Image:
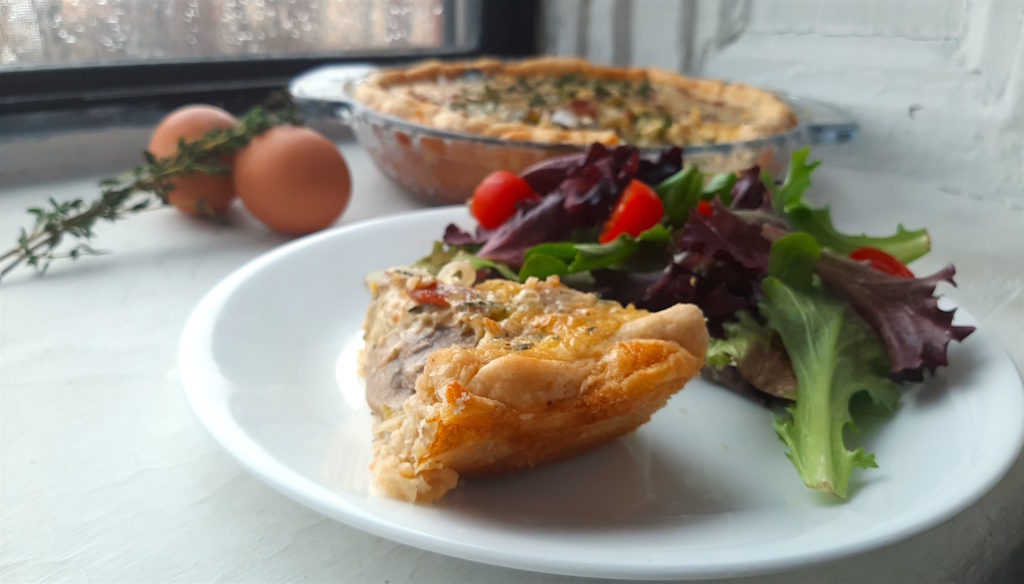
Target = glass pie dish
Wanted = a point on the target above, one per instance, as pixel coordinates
(443, 167)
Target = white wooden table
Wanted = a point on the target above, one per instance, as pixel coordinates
(107, 476)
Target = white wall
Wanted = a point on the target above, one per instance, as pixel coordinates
(935, 84)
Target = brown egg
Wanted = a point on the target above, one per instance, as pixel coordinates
(199, 193)
(293, 180)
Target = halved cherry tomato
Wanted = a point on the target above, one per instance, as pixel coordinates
(495, 198)
(704, 208)
(881, 261)
(639, 209)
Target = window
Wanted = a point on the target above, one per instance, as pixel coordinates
(61, 53)
(80, 32)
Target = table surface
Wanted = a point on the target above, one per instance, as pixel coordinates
(108, 476)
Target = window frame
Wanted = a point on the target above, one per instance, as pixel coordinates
(507, 29)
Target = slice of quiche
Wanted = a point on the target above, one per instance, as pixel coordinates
(473, 380)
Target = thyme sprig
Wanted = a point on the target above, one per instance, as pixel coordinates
(147, 186)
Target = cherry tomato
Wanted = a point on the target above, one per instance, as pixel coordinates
(639, 209)
(704, 208)
(881, 261)
(494, 200)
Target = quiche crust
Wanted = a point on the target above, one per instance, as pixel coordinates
(413, 94)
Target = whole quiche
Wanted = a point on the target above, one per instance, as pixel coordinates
(571, 101)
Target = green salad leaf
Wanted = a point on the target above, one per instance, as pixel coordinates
(682, 191)
(719, 187)
(835, 356)
(541, 264)
(793, 258)
(741, 335)
(566, 257)
(756, 353)
(679, 194)
(905, 245)
(790, 194)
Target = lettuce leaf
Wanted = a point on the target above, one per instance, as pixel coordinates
(719, 186)
(903, 312)
(679, 194)
(740, 335)
(790, 194)
(835, 357)
(718, 262)
(682, 191)
(545, 221)
(750, 191)
(649, 166)
(566, 257)
(756, 353)
(905, 245)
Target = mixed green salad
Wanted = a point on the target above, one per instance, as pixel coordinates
(805, 315)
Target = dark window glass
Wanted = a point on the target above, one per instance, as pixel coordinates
(65, 33)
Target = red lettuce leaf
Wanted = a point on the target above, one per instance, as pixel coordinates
(545, 221)
(456, 237)
(904, 313)
(728, 236)
(625, 287)
(718, 263)
(750, 192)
(657, 165)
(589, 196)
(652, 166)
(720, 260)
(721, 287)
(545, 176)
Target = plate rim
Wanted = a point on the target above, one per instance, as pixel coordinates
(275, 473)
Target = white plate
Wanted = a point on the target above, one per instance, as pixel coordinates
(268, 362)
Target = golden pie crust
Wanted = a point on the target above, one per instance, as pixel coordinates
(555, 100)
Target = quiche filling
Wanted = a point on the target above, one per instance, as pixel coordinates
(639, 113)
(472, 380)
(572, 101)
